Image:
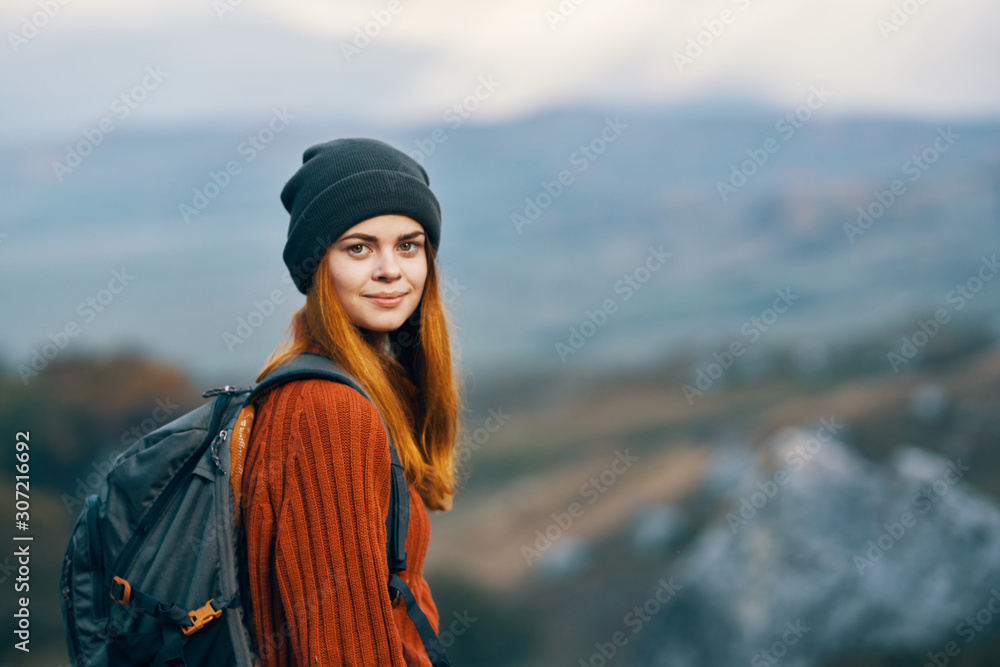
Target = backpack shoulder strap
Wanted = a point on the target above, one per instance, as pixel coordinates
(310, 365)
(304, 366)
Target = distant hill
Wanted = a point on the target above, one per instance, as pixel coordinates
(558, 432)
(517, 289)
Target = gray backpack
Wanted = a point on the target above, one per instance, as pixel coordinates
(155, 570)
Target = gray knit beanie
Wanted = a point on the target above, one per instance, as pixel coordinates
(344, 182)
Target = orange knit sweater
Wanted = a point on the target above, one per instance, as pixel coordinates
(315, 494)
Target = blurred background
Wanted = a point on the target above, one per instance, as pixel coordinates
(721, 275)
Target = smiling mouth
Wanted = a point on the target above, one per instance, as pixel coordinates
(385, 300)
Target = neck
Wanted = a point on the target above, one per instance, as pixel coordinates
(379, 339)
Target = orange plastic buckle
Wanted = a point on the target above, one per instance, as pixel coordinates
(199, 617)
(128, 590)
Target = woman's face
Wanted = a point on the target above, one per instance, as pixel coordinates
(379, 267)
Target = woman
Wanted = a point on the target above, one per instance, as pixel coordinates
(361, 246)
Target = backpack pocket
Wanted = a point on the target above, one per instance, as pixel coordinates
(83, 597)
(101, 599)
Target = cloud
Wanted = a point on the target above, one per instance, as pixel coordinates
(418, 58)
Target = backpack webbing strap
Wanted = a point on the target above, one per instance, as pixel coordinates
(427, 635)
(123, 593)
(171, 653)
(176, 632)
(397, 520)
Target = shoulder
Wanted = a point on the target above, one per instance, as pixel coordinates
(328, 412)
(318, 397)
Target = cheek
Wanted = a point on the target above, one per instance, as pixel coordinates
(347, 278)
(416, 274)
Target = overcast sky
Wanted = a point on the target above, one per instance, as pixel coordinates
(235, 59)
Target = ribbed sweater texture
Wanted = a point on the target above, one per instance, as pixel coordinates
(314, 502)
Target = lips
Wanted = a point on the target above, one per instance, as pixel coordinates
(388, 299)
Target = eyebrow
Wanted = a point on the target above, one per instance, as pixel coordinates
(372, 239)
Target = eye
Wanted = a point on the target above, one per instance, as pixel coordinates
(350, 249)
(413, 246)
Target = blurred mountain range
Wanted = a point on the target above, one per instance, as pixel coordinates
(540, 272)
(581, 501)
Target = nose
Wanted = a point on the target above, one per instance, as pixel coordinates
(386, 268)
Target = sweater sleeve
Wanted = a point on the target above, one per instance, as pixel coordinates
(329, 549)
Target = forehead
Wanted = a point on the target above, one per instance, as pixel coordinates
(387, 227)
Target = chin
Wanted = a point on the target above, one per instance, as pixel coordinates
(383, 324)
(379, 320)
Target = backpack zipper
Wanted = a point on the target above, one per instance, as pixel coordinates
(97, 555)
(70, 605)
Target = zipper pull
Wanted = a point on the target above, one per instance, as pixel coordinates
(228, 389)
(223, 434)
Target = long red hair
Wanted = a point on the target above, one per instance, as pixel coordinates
(425, 434)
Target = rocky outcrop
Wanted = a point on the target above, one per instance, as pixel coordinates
(816, 553)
